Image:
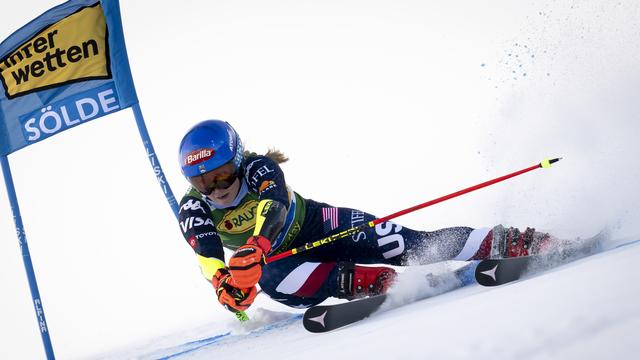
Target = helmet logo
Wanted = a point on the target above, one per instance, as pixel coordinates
(198, 156)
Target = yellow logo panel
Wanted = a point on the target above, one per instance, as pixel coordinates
(239, 220)
(73, 49)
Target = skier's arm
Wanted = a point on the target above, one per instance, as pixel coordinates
(199, 231)
(265, 178)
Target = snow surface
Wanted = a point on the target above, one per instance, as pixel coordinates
(397, 102)
(584, 310)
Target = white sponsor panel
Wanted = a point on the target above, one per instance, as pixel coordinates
(60, 116)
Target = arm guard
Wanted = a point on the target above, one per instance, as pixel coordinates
(266, 179)
(209, 266)
(270, 218)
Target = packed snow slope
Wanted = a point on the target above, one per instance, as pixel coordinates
(381, 105)
(584, 310)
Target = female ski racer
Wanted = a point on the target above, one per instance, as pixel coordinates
(241, 201)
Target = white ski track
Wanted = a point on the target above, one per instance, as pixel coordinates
(286, 338)
(265, 321)
(446, 281)
(225, 339)
(262, 321)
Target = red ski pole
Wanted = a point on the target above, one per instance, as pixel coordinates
(312, 245)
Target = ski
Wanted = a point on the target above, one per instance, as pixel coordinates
(323, 318)
(495, 272)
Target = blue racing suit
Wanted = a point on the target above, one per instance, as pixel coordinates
(308, 278)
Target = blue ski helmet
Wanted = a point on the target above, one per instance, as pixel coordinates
(209, 145)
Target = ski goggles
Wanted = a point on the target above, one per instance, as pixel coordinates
(221, 178)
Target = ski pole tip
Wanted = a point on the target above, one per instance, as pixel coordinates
(546, 163)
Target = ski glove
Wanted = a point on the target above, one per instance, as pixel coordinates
(246, 263)
(232, 297)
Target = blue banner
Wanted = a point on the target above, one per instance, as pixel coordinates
(62, 69)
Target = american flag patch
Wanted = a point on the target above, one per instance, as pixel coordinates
(329, 219)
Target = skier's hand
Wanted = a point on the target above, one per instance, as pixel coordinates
(229, 294)
(246, 263)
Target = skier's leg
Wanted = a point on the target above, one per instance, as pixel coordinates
(393, 244)
(332, 270)
(397, 245)
(386, 243)
(297, 282)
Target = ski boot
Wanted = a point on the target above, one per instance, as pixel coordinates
(512, 243)
(355, 281)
